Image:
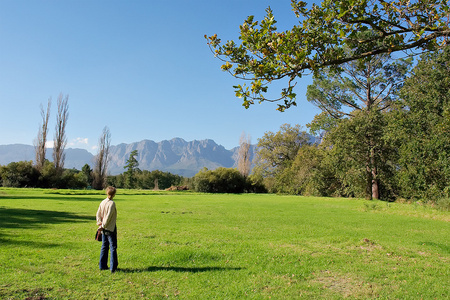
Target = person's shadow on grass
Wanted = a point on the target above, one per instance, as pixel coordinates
(177, 269)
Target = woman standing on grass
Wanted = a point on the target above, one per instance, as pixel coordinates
(106, 220)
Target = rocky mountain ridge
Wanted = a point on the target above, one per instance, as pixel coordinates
(176, 156)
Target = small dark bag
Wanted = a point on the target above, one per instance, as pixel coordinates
(98, 235)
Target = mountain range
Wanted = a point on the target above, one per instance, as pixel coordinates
(176, 156)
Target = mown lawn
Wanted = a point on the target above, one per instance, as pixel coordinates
(202, 246)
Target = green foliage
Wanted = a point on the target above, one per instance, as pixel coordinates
(421, 129)
(322, 38)
(403, 152)
(361, 89)
(87, 174)
(225, 180)
(357, 147)
(339, 166)
(275, 154)
(321, 124)
(146, 180)
(220, 180)
(19, 174)
(47, 176)
(255, 184)
(132, 163)
(405, 149)
(131, 167)
(25, 174)
(73, 179)
(312, 173)
(50, 177)
(360, 85)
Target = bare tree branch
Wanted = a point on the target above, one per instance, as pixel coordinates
(42, 136)
(101, 160)
(244, 161)
(60, 140)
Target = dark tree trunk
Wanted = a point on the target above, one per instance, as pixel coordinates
(375, 187)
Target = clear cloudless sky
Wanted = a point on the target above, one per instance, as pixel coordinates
(142, 68)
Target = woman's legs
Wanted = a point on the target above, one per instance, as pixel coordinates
(113, 248)
(103, 264)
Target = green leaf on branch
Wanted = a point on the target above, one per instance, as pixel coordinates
(324, 33)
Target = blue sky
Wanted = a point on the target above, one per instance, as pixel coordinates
(142, 68)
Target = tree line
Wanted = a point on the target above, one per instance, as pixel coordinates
(26, 174)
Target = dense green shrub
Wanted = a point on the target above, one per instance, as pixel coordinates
(19, 174)
(25, 174)
(225, 180)
(221, 180)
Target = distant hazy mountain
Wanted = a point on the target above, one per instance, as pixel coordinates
(75, 158)
(175, 156)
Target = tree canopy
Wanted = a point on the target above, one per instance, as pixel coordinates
(276, 152)
(363, 85)
(321, 39)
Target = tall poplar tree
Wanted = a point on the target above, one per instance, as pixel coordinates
(101, 160)
(41, 139)
(244, 159)
(60, 140)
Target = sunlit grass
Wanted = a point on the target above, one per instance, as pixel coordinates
(202, 246)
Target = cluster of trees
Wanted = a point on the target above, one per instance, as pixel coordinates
(385, 130)
(44, 173)
(27, 174)
(147, 180)
(394, 142)
(53, 174)
(134, 178)
(225, 180)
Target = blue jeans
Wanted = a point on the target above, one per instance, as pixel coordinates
(109, 242)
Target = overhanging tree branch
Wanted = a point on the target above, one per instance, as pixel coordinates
(318, 41)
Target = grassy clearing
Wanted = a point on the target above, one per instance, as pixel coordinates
(201, 246)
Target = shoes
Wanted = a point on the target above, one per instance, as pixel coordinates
(112, 271)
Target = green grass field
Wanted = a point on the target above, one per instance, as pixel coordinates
(202, 246)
